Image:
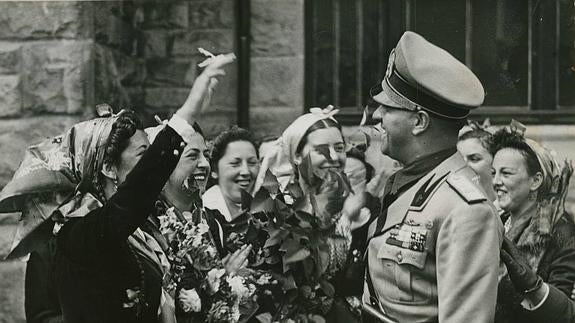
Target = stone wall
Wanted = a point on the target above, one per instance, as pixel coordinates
(277, 65)
(59, 59)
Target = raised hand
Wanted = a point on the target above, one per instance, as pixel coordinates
(201, 92)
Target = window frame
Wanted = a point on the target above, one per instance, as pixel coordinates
(543, 63)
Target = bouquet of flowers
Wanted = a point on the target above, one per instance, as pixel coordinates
(310, 248)
(204, 288)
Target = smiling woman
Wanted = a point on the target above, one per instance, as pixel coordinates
(531, 187)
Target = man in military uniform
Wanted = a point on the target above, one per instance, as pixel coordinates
(433, 252)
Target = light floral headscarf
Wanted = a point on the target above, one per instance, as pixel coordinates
(280, 158)
(57, 174)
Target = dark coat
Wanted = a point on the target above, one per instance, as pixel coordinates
(40, 298)
(557, 269)
(95, 265)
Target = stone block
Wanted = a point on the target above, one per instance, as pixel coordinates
(131, 70)
(168, 71)
(46, 19)
(178, 15)
(186, 43)
(277, 28)
(111, 30)
(10, 56)
(211, 14)
(136, 95)
(10, 96)
(156, 43)
(112, 71)
(17, 134)
(272, 121)
(155, 14)
(57, 76)
(277, 82)
(165, 97)
(217, 119)
(12, 285)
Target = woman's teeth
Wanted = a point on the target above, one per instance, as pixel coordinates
(244, 182)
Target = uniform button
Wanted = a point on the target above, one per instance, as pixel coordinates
(176, 152)
(399, 257)
(182, 144)
(355, 252)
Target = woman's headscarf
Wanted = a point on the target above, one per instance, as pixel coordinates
(57, 175)
(280, 158)
(551, 196)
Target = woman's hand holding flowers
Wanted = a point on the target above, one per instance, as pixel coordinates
(237, 260)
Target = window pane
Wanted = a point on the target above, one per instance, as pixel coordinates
(348, 24)
(566, 53)
(324, 46)
(500, 50)
(442, 22)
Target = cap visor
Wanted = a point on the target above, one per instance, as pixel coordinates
(378, 94)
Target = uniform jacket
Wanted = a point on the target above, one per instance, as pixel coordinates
(95, 265)
(557, 269)
(437, 256)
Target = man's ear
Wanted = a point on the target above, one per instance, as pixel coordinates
(421, 122)
(109, 171)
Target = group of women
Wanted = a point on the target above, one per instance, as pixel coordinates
(529, 187)
(97, 197)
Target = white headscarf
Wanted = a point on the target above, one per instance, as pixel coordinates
(280, 158)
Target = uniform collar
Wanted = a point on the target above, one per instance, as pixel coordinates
(418, 169)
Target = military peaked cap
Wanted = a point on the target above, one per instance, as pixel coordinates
(421, 75)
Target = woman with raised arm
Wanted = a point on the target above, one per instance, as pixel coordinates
(107, 269)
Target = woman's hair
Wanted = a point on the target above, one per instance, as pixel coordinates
(511, 139)
(221, 142)
(482, 135)
(122, 130)
(320, 124)
(359, 155)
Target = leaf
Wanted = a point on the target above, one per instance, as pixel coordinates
(364, 117)
(271, 183)
(327, 288)
(276, 237)
(296, 256)
(317, 319)
(262, 202)
(294, 190)
(246, 200)
(307, 173)
(324, 150)
(264, 318)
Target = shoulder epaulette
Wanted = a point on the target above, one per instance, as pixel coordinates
(466, 188)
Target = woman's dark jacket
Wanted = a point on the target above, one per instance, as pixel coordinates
(40, 298)
(557, 269)
(95, 265)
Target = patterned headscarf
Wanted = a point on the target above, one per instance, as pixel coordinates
(58, 174)
(534, 236)
(280, 158)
